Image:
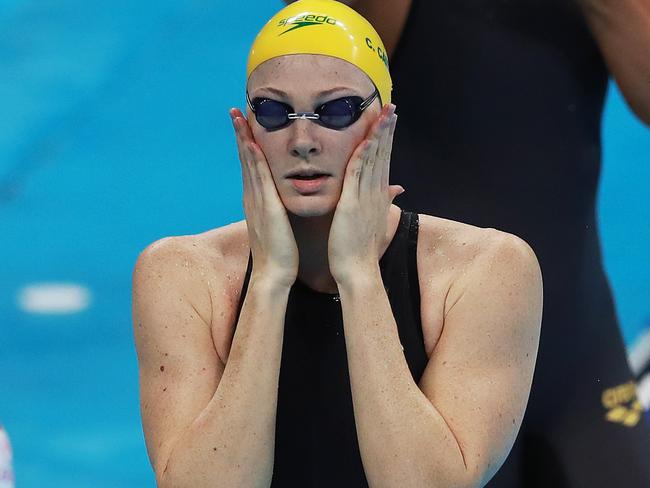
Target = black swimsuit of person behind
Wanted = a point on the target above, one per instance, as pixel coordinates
(505, 133)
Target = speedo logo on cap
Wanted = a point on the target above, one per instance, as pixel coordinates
(305, 21)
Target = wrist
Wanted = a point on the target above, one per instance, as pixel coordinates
(271, 282)
(360, 276)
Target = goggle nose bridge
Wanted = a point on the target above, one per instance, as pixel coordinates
(303, 116)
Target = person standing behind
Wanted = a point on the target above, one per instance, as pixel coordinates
(500, 104)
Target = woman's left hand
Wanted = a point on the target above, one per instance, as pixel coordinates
(358, 228)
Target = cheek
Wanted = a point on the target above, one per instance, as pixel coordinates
(353, 142)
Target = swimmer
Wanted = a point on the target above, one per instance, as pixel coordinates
(331, 338)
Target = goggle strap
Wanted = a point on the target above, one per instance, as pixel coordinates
(368, 101)
(250, 104)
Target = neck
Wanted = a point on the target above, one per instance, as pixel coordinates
(312, 235)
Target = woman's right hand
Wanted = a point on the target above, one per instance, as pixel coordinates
(271, 239)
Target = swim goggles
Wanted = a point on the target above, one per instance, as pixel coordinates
(335, 114)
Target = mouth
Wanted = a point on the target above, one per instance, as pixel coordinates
(307, 174)
(307, 177)
(309, 184)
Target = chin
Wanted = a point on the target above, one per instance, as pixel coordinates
(310, 206)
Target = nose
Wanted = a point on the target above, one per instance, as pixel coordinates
(303, 143)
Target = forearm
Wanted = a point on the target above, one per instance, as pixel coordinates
(403, 439)
(232, 442)
(622, 30)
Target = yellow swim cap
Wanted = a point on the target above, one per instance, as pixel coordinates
(324, 27)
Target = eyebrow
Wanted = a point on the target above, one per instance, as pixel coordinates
(318, 95)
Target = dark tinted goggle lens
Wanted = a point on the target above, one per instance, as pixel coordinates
(336, 114)
(271, 114)
(340, 113)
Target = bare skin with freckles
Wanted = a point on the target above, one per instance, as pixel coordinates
(209, 390)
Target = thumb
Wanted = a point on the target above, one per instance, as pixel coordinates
(395, 191)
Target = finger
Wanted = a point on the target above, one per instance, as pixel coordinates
(243, 157)
(268, 190)
(239, 137)
(383, 153)
(244, 131)
(259, 186)
(256, 175)
(385, 175)
(235, 112)
(350, 191)
(249, 196)
(248, 155)
(254, 189)
(236, 115)
(367, 180)
(247, 132)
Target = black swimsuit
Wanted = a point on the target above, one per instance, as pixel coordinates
(316, 440)
(500, 107)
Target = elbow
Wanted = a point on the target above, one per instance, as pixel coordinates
(478, 474)
(643, 115)
(640, 108)
(167, 480)
(472, 472)
(462, 474)
(163, 478)
(472, 478)
(638, 101)
(166, 477)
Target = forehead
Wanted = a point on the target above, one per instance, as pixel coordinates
(308, 73)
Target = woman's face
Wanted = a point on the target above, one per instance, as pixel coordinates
(304, 144)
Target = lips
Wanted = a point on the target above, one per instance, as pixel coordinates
(307, 174)
(308, 177)
(309, 185)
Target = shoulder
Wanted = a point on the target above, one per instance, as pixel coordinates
(174, 256)
(198, 265)
(458, 241)
(214, 246)
(471, 255)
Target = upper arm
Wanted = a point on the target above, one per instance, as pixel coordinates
(480, 372)
(179, 368)
(622, 30)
